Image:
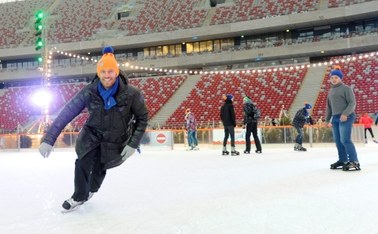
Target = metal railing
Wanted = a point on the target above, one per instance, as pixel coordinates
(314, 134)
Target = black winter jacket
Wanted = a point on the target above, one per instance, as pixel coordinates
(248, 109)
(109, 129)
(227, 114)
(300, 118)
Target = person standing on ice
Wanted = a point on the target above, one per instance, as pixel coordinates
(191, 128)
(367, 121)
(341, 104)
(250, 122)
(228, 118)
(116, 124)
(299, 121)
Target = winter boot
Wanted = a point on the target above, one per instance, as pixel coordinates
(337, 165)
(70, 204)
(355, 166)
(234, 152)
(225, 152)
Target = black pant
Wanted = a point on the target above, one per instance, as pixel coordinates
(252, 127)
(371, 132)
(229, 131)
(89, 175)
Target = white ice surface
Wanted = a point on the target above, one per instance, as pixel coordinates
(171, 192)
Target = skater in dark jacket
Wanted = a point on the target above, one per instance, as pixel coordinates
(116, 124)
(341, 104)
(227, 115)
(250, 123)
(300, 118)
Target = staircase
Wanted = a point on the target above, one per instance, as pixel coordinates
(309, 89)
(175, 101)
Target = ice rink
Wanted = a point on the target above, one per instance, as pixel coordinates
(173, 192)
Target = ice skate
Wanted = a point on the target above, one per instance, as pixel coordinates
(354, 166)
(258, 151)
(234, 152)
(225, 152)
(189, 148)
(71, 205)
(301, 148)
(337, 165)
(246, 152)
(375, 141)
(296, 147)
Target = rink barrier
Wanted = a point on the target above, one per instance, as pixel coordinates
(169, 138)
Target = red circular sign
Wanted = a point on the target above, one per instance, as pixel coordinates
(160, 138)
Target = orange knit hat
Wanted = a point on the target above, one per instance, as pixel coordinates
(107, 61)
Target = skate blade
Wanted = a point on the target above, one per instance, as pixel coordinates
(353, 169)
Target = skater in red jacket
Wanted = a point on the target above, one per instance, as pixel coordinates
(367, 121)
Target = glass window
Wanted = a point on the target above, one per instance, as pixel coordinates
(189, 48)
(178, 49)
(196, 47)
(172, 50)
(165, 50)
(153, 52)
(159, 51)
(146, 52)
(217, 45)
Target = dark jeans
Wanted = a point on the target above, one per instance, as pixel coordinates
(299, 138)
(89, 175)
(252, 128)
(342, 132)
(229, 131)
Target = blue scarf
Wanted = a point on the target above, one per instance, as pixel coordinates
(107, 94)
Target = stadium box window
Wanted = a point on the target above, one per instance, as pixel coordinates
(146, 52)
(206, 46)
(153, 52)
(159, 51)
(165, 50)
(178, 49)
(172, 50)
(140, 55)
(189, 48)
(217, 45)
(226, 44)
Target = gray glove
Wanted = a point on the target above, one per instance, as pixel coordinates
(45, 149)
(127, 152)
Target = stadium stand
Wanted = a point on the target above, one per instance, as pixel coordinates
(361, 74)
(270, 90)
(217, 42)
